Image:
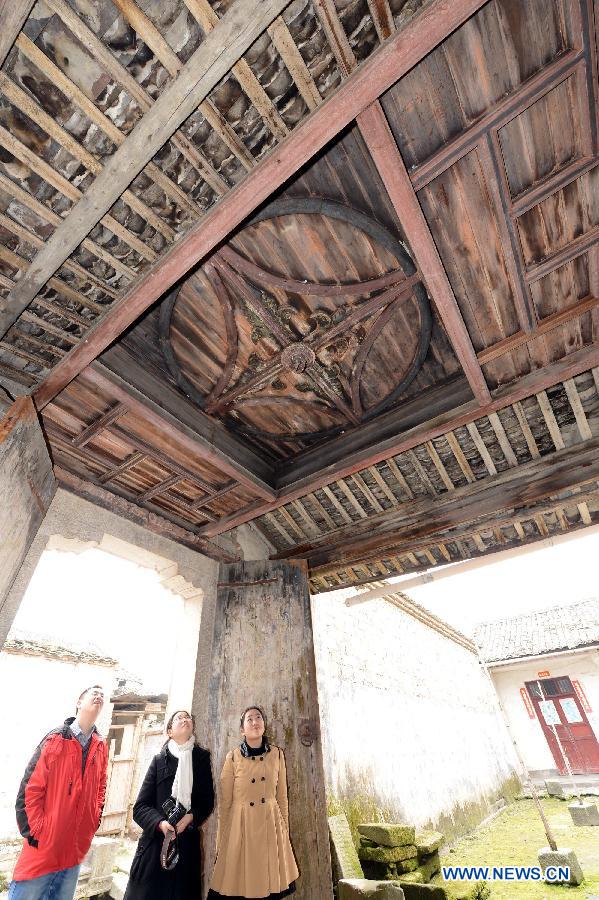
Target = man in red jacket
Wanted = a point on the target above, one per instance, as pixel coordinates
(59, 804)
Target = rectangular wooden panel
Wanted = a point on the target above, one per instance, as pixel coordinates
(256, 646)
(27, 486)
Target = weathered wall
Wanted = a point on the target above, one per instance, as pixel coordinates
(527, 732)
(411, 727)
(55, 685)
(27, 486)
(73, 517)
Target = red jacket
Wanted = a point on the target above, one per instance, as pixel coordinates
(58, 807)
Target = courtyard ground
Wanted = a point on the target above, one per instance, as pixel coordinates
(515, 837)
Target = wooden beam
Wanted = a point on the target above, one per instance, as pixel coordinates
(571, 250)
(99, 425)
(293, 59)
(382, 18)
(13, 16)
(546, 325)
(561, 68)
(192, 441)
(237, 30)
(514, 489)
(398, 55)
(152, 521)
(527, 386)
(387, 159)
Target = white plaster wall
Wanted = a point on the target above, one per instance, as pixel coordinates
(408, 716)
(47, 693)
(527, 732)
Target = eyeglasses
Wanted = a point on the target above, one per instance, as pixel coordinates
(182, 718)
(251, 720)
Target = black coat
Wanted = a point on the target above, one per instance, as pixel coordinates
(147, 879)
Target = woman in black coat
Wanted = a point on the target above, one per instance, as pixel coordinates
(182, 771)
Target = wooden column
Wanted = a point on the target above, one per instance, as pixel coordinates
(27, 486)
(256, 646)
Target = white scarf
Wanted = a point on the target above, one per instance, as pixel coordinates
(183, 782)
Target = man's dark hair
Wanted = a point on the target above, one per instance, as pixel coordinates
(83, 693)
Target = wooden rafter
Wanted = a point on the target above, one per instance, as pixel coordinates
(12, 18)
(395, 57)
(387, 158)
(241, 25)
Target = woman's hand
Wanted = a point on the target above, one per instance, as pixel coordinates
(165, 827)
(185, 821)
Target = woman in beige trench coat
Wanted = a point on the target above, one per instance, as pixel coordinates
(254, 855)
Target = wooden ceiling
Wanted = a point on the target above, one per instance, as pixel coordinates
(350, 292)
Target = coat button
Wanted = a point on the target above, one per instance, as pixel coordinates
(261, 758)
(253, 781)
(251, 802)
(263, 800)
(263, 778)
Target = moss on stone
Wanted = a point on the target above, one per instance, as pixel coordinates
(387, 854)
(428, 841)
(388, 834)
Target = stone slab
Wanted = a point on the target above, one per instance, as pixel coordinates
(388, 854)
(423, 891)
(428, 841)
(407, 865)
(559, 789)
(414, 877)
(584, 813)
(562, 857)
(388, 834)
(430, 865)
(356, 888)
(345, 856)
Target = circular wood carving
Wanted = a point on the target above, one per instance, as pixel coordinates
(310, 321)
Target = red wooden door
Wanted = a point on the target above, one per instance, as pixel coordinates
(559, 711)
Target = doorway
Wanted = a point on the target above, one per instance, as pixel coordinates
(564, 722)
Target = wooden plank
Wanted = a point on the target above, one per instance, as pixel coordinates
(382, 18)
(57, 77)
(400, 478)
(27, 487)
(329, 522)
(207, 445)
(531, 482)
(72, 193)
(550, 420)
(132, 460)
(502, 437)
(585, 514)
(572, 250)
(47, 215)
(579, 413)
(236, 31)
(122, 77)
(13, 16)
(398, 55)
(22, 101)
(151, 520)
(387, 158)
(99, 425)
(528, 435)
(293, 59)
(460, 456)
(160, 488)
(335, 35)
(163, 52)
(338, 506)
(383, 485)
(357, 478)
(352, 498)
(421, 472)
(481, 447)
(490, 160)
(545, 326)
(208, 19)
(272, 520)
(439, 466)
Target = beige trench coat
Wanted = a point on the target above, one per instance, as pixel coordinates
(254, 855)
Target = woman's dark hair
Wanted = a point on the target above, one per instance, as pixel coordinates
(246, 711)
(169, 724)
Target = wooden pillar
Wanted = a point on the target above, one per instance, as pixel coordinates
(27, 486)
(256, 646)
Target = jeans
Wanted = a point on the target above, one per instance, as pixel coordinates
(55, 886)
